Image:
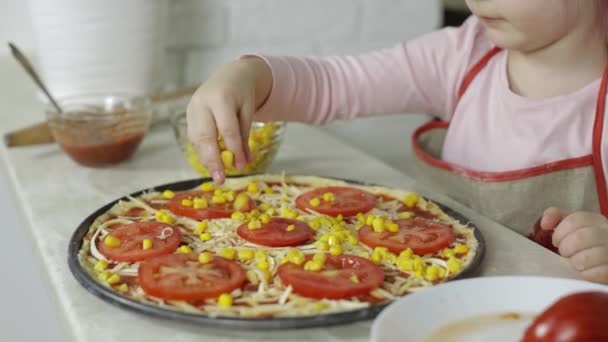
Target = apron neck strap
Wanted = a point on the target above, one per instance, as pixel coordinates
(475, 70)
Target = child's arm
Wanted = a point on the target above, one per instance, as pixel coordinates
(418, 76)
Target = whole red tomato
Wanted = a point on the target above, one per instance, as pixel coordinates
(580, 317)
(543, 237)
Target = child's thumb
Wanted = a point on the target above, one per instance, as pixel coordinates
(551, 218)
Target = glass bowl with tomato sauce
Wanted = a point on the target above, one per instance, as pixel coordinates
(100, 130)
(264, 142)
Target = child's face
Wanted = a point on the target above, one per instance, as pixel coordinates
(528, 25)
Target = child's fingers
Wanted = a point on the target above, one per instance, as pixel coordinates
(245, 118)
(551, 218)
(597, 274)
(590, 258)
(229, 127)
(574, 222)
(202, 132)
(579, 240)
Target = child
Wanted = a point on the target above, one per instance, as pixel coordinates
(519, 90)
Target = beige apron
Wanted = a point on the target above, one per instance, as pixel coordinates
(515, 198)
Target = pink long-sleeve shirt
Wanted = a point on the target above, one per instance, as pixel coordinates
(493, 130)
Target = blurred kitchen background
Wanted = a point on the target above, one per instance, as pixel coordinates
(190, 39)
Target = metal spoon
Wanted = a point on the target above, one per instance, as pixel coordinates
(29, 68)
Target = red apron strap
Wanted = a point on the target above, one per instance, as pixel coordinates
(598, 128)
(475, 70)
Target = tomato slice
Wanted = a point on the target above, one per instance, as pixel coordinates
(213, 211)
(131, 236)
(275, 233)
(335, 281)
(347, 201)
(421, 235)
(183, 277)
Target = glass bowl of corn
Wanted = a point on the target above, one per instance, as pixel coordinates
(264, 141)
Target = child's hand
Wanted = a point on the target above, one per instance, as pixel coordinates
(226, 104)
(581, 237)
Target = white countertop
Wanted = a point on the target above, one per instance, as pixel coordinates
(56, 195)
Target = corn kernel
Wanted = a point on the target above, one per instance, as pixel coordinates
(315, 202)
(123, 288)
(406, 265)
(254, 224)
(289, 213)
(319, 257)
(339, 218)
(271, 211)
(263, 265)
(101, 265)
(392, 227)
(376, 257)
(241, 202)
(206, 236)
(207, 187)
(320, 306)
(111, 241)
(200, 203)
(406, 215)
(146, 244)
(358, 226)
(264, 206)
(268, 190)
(361, 218)
(381, 250)
(252, 276)
(301, 218)
(334, 240)
(390, 258)
(354, 279)
(245, 254)
(187, 202)
(205, 257)
(228, 253)
(168, 219)
(158, 216)
(461, 249)
(407, 253)
(314, 225)
(218, 199)
(201, 227)
(335, 250)
(454, 265)
(324, 237)
(225, 300)
(418, 273)
(229, 196)
(370, 219)
(252, 188)
(114, 279)
(185, 249)
(419, 264)
(378, 225)
(218, 192)
(103, 276)
(448, 253)
(312, 265)
(432, 273)
(352, 240)
(237, 216)
(322, 245)
(297, 259)
(442, 272)
(261, 255)
(168, 194)
(411, 199)
(265, 218)
(329, 197)
(290, 228)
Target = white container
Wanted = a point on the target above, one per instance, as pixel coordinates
(110, 46)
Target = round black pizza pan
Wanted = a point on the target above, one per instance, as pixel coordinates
(321, 320)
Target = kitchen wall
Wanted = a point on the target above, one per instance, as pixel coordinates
(203, 34)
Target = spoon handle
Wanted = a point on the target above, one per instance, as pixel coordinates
(25, 63)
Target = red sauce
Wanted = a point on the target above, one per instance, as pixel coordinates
(104, 154)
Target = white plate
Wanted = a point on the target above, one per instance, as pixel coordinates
(471, 309)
